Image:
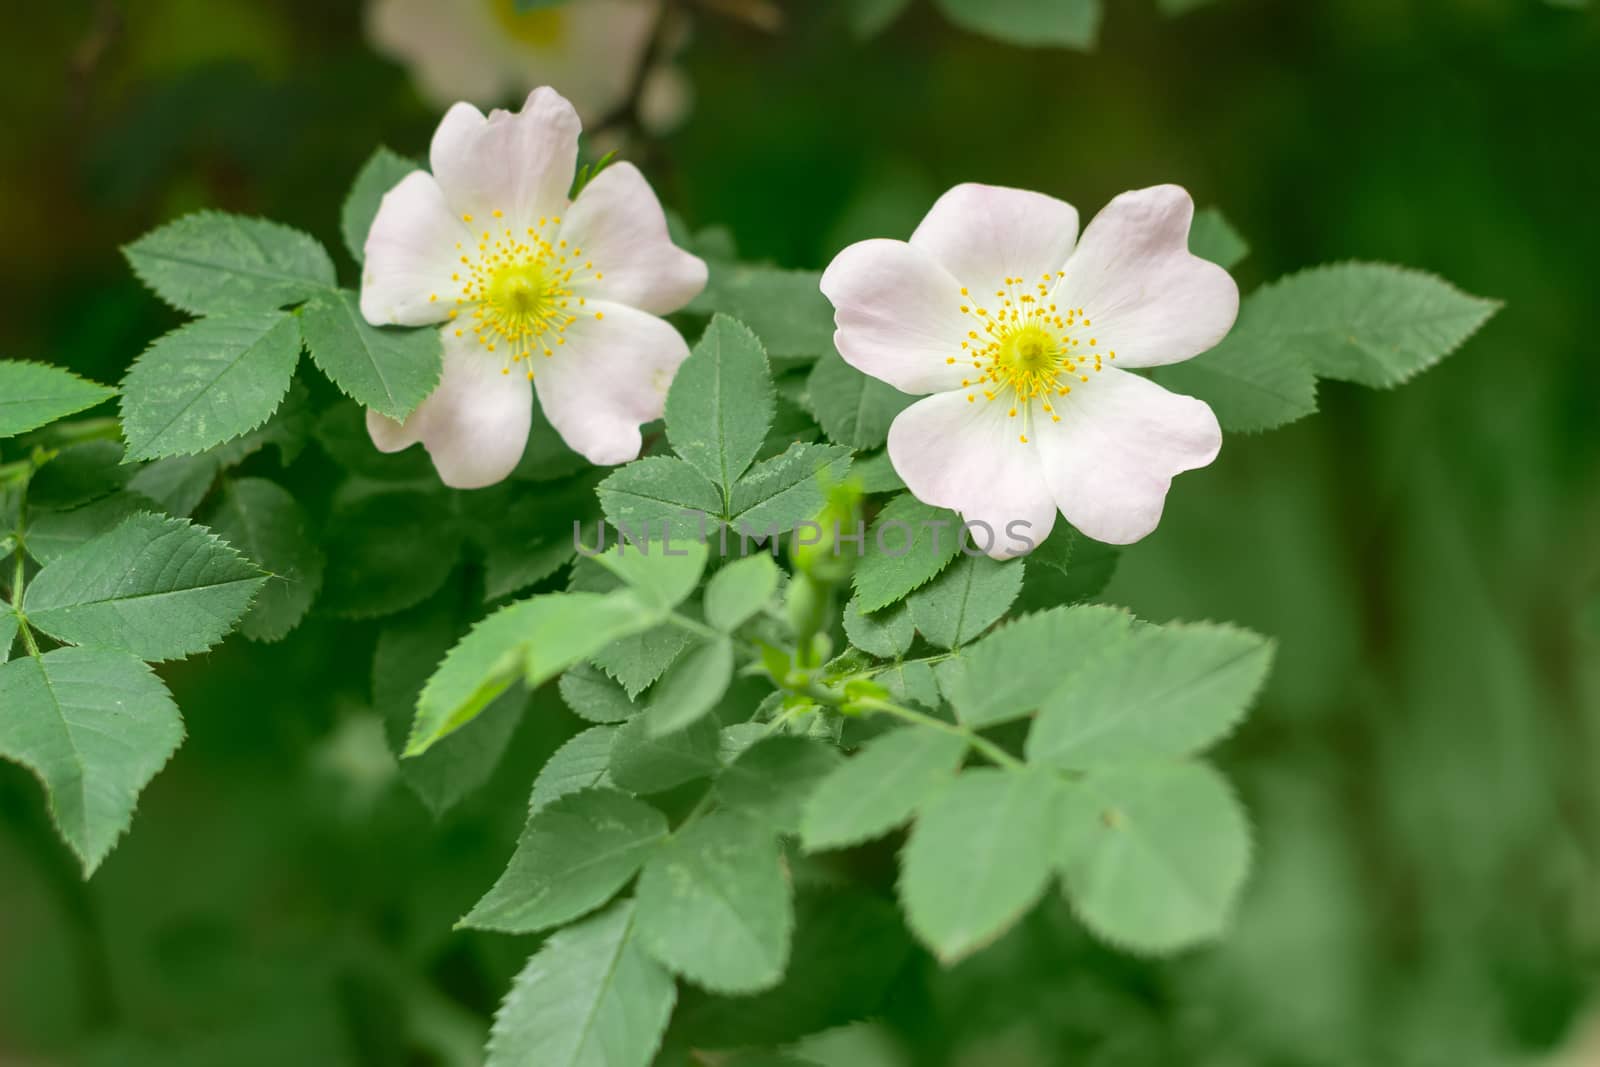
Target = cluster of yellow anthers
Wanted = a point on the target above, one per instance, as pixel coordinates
(516, 289)
(1027, 347)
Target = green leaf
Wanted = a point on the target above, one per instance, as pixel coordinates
(8, 631)
(661, 576)
(1029, 23)
(579, 764)
(852, 408)
(52, 534)
(1161, 693)
(264, 521)
(642, 762)
(212, 263)
(879, 788)
(691, 687)
(389, 369)
(388, 551)
(1066, 567)
(966, 599)
(660, 493)
(1252, 381)
(530, 641)
(34, 394)
(788, 489)
(740, 590)
(208, 382)
(978, 858)
(573, 856)
(78, 474)
(1211, 236)
(1015, 669)
(772, 779)
(638, 660)
(1370, 323)
(714, 905)
(160, 588)
(876, 473)
(594, 696)
(408, 649)
(886, 633)
(784, 308)
(909, 543)
(381, 172)
(95, 725)
(720, 403)
(1153, 857)
(588, 998)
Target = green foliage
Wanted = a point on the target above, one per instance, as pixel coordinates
(573, 856)
(785, 308)
(1029, 23)
(691, 687)
(582, 763)
(714, 906)
(1211, 236)
(95, 725)
(739, 590)
(385, 368)
(643, 761)
(720, 403)
(1153, 856)
(887, 632)
(1000, 678)
(387, 552)
(852, 408)
(1369, 323)
(381, 172)
(880, 787)
(908, 544)
(1164, 692)
(772, 779)
(157, 587)
(211, 263)
(208, 382)
(33, 394)
(966, 599)
(589, 996)
(264, 522)
(979, 856)
(593, 695)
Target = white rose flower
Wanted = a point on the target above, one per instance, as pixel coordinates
(485, 51)
(530, 287)
(1026, 338)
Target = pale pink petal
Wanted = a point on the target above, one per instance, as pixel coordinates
(1146, 297)
(442, 45)
(608, 378)
(899, 316)
(1120, 441)
(969, 456)
(474, 425)
(518, 163)
(984, 234)
(617, 225)
(410, 254)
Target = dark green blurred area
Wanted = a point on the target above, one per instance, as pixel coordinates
(1424, 770)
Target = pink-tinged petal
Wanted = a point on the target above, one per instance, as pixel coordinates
(899, 316)
(518, 163)
(441, 45)
(474, 425)
(1113, 455)
(1146, 297)
(410, 254)
(609, 378)
(618, 225)
(984, 234)
(969, 456)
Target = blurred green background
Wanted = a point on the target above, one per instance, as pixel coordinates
(1424, 770)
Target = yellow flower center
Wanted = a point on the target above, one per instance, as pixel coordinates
(516, 291)
(541, 28)
(1024, 348)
